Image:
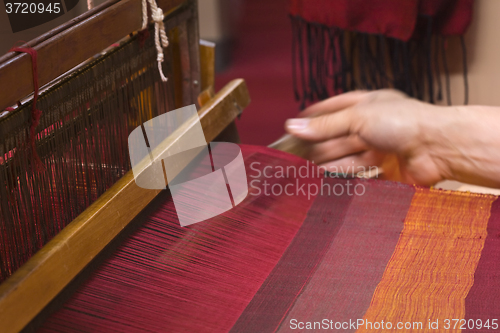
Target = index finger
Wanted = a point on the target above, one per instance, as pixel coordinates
(334, 104)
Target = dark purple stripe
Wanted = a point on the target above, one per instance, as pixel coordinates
(288, 278)
(343, 285)
(482, 304)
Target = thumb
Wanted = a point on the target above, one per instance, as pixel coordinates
(320, 128)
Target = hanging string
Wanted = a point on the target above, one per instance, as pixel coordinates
(161, 40)
(35, 113)
(446, 71)
(428, 52)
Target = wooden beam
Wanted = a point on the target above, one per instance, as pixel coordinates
(207, 64)
(60, 52)
(60, 28)
(207, 71)
(36, 283)
(290, 144)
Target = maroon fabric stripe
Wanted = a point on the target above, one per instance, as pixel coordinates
(288, 278)
(483, 301)
(343, 284)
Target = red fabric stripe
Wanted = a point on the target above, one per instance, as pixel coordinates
(343, 285)
(483, 301)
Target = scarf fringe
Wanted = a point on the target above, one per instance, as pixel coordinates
(328, 61)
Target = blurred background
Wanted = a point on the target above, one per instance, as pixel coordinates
(254, 38)
(253, 41)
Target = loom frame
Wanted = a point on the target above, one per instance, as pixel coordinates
(32, 287)
(86, 35)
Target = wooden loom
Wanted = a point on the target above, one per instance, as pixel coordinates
(452, 268)
(32, 287)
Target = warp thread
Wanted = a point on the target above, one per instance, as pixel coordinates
(210, 269)
(161, 40)
(35, 112)
(81, 139)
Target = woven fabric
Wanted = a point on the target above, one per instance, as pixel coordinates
(391, 253)
(432, 268)
(342, 286)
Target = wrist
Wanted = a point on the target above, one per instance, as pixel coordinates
(463, 142)
(436, 132)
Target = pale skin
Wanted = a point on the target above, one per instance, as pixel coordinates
(431, 143)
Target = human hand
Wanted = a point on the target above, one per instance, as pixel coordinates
(363, 129)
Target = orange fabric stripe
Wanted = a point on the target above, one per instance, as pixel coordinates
(432, 268)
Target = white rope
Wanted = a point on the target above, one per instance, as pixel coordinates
(161, 40)
(144, 14)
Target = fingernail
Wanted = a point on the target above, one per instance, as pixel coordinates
(297, 124)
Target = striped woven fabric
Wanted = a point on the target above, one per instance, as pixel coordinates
(303, 252)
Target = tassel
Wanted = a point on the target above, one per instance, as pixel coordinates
(446, 72)
(464, 60)
(327, 61)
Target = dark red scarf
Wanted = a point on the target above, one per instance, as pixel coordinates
(341, 45)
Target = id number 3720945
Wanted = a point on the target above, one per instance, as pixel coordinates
(32, 8)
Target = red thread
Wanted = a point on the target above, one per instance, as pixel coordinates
(142, 36)
(12, 109)
(35, 113)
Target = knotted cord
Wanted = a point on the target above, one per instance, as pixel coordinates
(161, 40)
